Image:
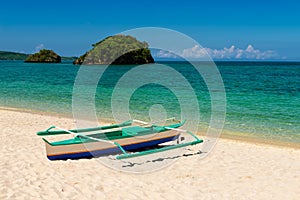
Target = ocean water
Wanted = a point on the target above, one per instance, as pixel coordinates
(263, 99)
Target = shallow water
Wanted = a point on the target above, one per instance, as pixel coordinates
(263, 99)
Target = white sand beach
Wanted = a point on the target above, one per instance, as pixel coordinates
(234, 170)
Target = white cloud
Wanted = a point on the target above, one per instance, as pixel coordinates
(39, 47)
(232, 53)
(194, 52)
(165, 54)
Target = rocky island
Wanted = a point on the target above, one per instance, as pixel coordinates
(44, 56)
(117, 50)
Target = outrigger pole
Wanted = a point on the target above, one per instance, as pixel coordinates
(100, 128)
(142, 153)
(147, 123)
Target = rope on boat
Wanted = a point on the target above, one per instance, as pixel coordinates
(139, 121)
(176, 129)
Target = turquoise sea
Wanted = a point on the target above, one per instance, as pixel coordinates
(263, 98)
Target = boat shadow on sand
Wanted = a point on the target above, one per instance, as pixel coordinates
(128, 163)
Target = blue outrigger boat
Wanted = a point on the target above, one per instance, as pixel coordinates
(114, 139)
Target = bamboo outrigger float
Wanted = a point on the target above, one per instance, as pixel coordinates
(114, 139)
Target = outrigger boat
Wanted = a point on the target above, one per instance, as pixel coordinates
(114, 139)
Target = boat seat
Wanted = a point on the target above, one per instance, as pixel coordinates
(134, 130)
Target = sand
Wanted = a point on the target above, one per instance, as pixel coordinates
(234, 170)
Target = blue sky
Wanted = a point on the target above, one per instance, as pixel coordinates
(70, 27)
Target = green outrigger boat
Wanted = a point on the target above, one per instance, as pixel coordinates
(125, 139)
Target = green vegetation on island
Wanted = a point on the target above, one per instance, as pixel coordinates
(7, 55)
(118, 49)
(44, 56)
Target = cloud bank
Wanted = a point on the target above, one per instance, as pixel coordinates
(231, 53)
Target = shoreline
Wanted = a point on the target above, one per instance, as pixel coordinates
(224, 135)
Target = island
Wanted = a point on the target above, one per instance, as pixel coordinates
(117, 50)
(44, 56)
(8, 55)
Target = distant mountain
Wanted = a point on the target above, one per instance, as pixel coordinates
(6, 55)
(68, 58)
(117, 49)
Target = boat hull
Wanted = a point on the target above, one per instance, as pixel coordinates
(96, 149)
